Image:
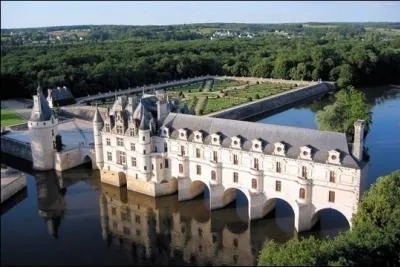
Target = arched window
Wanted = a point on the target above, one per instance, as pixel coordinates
(254, 183)
(278, 167)
(302, 193)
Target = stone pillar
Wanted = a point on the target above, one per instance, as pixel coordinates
(256, 206)
(358, 144)
(303, 214)
(217, 197)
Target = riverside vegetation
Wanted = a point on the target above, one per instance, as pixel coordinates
(374, 239)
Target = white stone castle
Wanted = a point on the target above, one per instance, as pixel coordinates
(153, 149)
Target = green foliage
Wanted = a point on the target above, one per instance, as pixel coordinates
(216, 104)
(9, 117)
(374, 239)
(350, 105)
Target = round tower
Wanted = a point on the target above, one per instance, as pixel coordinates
(145, 143)
(98, 124)
(43, 130)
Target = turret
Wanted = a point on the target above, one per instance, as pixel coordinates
(43, 130)
(358, 144)
(162, 106)
(98, 124)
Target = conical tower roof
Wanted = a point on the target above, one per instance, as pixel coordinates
(97, 116)
(41, 110)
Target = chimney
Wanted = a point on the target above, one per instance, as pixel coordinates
(358, 144)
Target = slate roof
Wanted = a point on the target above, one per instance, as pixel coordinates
(42, 112)
(319, 141)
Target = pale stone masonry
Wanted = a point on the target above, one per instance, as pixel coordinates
(158, 152)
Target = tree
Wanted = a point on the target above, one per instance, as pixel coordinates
(350, 105)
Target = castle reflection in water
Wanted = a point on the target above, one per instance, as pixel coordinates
(163, 231)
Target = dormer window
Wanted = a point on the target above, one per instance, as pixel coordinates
(120, 129)
(198, 136)
(132, 132)
(182, 134)
(333, 157)
(279, 149)
(215, 139)
(257, 145)
(107, 127)
(165, 131)
(305, 153)
(235, 143)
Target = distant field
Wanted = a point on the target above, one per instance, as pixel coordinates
(321, 26)
(9, 117)
(383, 30)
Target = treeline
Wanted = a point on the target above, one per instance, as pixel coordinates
(96, 67)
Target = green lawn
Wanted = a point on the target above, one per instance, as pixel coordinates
(222, 84)
(217, 104)
(9, 117)
(262, 90)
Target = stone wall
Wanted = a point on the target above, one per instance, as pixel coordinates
(247, 110)
(71, 158)
(16, 148)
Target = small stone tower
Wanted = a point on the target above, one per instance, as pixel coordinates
(358, 144)
(43, 130)
(144, 144)
(98, 124)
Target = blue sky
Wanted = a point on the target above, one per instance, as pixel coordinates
(38, 14)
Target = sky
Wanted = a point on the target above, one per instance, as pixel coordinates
(24, 14)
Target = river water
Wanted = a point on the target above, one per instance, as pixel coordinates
(73, 219)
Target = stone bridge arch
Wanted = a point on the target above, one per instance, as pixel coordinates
(230, 195)
(190, 188)
(317, 215)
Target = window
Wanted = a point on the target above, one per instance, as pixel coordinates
(278, 167)
(52, 131)
(161, 165)
(165, 147)
(109, 156)
(200, 232)
(256, 164)
(144, 151)
(121, 157)
(126, 230)
(125, 217)
(235, 242)
(198, 169)
(235, 177)
(278, 186)
(144, 138)
(166, 163)
(304, 173)
(120, 142)
(108, 141)
(235, 159)
(120, 129)
(133, 148)
(137, 219)
(107, 127)
(152, 166)
(180, 168)
(254, 183)
(332, 177)
(137, 232)
(113, 211)
(182, 151)
(302, 193)
(133, 161)
(145, 168)
(215, 156)
(213, 175)
(197, 152)
(131, 132)
(331, 196)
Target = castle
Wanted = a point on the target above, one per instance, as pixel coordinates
(153, 149)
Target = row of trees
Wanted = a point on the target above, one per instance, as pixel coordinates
(374, 239)
(95, 67)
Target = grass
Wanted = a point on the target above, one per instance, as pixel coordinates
(9, 117)
(216, 104)
(262, 90)
(222, 84)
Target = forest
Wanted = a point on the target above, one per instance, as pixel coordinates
(347, 54)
